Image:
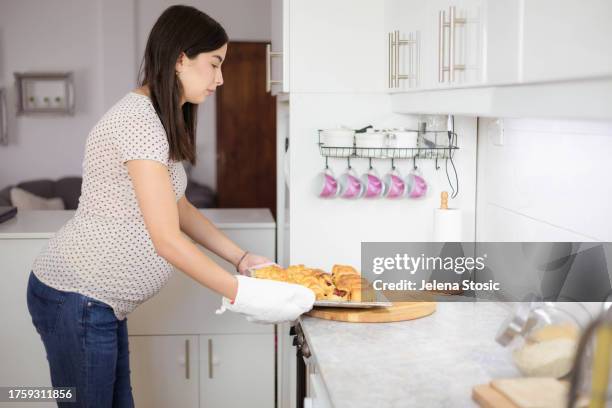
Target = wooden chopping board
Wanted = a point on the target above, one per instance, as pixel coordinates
(523, 392)
(398, 312)
(488, 397)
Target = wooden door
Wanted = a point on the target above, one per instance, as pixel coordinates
(246, 131)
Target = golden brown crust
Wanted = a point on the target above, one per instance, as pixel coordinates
(343, 284)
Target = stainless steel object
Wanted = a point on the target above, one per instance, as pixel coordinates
(269, 55)
(210, 358)
(187, 368)
(3, 118)
(441, 22)
(394, 58)
(335, 303)
(451, 24)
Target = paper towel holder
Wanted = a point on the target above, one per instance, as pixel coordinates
(444, 200)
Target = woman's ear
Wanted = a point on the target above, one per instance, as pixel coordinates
(180, 62)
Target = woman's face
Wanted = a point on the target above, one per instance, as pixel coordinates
(201, 75)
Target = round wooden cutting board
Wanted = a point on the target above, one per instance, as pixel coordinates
(398, 312)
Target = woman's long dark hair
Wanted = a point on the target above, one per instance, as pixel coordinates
(179, 29)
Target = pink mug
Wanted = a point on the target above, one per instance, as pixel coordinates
(373, 185)
(326, 185)
(350, 185)
(416, 187)
(395, 186)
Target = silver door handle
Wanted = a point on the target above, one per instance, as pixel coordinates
(453, 22)
(269, 56)
(441, 22)
(187, 368)
(3, 119)
(210, 358)
(394, 57)
(390, 67)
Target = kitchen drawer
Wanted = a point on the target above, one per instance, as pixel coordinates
(185, 306)
(237, 371)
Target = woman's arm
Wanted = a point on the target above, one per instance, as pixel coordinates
(201, 230)
(158, 205)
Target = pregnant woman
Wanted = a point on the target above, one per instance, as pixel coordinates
(126, 236)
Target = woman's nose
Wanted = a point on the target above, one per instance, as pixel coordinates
(219, 78)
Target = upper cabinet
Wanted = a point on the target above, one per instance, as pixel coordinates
(337, 46)
(444, 44)
(277, 58)
(433, 44)
(565, 39)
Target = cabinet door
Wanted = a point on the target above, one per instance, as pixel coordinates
(184, 306)
(237, 371)
(279, 59)
(404, 22)
(338, 46)
(452, 58)
(501, 21)
(566, 39)
(164, 371)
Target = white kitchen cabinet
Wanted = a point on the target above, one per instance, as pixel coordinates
(237, 371)
(433, 53)
(165, 371)
(277, 80)
(338, 46)
(158, 329)
(453, 41)
(566, 39)
(501, 25)
(405, 22)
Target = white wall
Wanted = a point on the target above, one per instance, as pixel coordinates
(102, 41)
(549, 181)
(328, 231)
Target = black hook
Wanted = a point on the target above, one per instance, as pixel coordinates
(326, 166)
(348, 159)
(437, 167)
(392, 164)
(414, 162)
(370, 159)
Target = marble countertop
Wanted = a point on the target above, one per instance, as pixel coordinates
(430, 362)
(44, 224)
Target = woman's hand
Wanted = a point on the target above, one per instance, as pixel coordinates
(268, 301)
(251, 260)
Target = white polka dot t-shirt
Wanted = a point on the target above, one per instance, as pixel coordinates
(105, 251)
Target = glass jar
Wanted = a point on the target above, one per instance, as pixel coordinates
(543, 336)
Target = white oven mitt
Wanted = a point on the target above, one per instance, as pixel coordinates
(269, 301)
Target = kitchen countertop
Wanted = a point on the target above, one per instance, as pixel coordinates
(44, 224)
(430, 362)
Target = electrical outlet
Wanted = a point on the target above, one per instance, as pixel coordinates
(496, 132)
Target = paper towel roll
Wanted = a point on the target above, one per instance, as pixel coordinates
(447, 225)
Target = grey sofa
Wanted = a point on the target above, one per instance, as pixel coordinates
(69, 190)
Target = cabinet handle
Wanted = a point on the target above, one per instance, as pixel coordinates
(397, 45)
(269, 56)
(3, 119)
(187, 368)
(453, 22)
(210, 358)
(390, 67)
(441, 19)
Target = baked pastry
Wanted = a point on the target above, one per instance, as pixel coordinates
(357, 288)
(273, 272)
(339, 271)
(343, 284)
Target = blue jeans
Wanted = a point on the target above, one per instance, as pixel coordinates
(86, 345)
